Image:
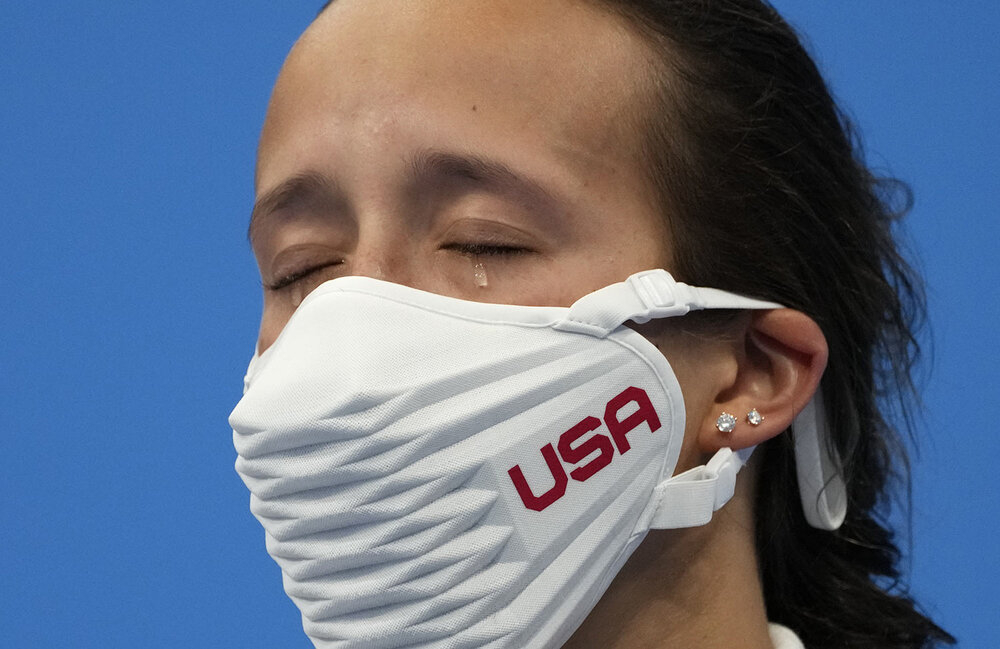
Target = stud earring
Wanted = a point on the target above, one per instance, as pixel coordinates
(725, 423)
(754, 418)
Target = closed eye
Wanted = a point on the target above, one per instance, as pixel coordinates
(484, 249)
(293, 277)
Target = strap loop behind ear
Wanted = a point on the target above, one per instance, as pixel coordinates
(821, 482)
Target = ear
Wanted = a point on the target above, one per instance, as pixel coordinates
(778, 369)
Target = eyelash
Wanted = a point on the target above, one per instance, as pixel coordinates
(470, 249)
(485, 250)
(291, 278)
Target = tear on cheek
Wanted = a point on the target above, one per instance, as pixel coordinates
(479, 274)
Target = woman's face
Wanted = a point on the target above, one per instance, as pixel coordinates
(484, 150)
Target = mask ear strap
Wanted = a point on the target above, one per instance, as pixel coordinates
(821, 481)
(645, 296)
(695, 494)
(690, 498)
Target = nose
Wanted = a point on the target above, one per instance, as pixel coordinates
(385, 253)
(380, 252)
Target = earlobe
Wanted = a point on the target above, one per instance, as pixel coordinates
(783, 358)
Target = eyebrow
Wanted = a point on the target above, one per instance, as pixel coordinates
(482, 171)
(315, 188)
(308, 188)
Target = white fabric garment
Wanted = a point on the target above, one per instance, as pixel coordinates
(434, 473)
(783, 638)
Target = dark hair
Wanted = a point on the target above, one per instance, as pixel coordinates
(767, 194)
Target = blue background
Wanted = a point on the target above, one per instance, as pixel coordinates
(130, 302)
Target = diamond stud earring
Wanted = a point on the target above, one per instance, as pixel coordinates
(725, 423)
(754, 418)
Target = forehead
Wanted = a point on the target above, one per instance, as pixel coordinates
(521, 35)
(568, 69)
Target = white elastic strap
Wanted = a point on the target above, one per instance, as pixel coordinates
(821, 483)
(645, 296)
(656, 294)
(690, 498)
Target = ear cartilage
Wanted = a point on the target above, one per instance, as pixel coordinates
(754, 418)
(725, 423)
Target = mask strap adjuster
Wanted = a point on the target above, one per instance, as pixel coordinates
(646, 296)
(689, 499)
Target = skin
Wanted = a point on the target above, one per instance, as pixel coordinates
(364, 169)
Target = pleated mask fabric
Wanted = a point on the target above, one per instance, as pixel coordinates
(439, 473)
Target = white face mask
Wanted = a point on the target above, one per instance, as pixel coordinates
(433, 472)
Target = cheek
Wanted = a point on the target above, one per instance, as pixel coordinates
(696, 363)
(697, 402)
(273, 320)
